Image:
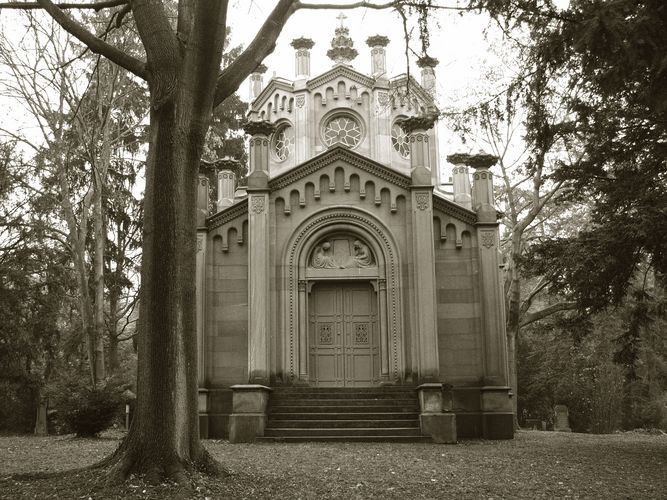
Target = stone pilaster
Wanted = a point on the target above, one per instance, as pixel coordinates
(461, 180)
(257, 81)
(226, 188)
(427, 65)
(202, 200)
(302, 47)
(258, 252)
(495, 347)
(200, 298)
(423, 253)
(377, 43)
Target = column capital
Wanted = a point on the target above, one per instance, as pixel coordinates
(260, 127)
(420, 123)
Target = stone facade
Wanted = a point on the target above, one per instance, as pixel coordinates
(344, 262)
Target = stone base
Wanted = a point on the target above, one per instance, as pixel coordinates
(498, 425)
(245, 427)
(440, 426)
(562, 429)
(203, 426)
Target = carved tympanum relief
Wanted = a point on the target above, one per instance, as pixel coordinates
(341, 253)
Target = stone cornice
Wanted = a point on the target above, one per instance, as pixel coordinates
(302, 43)
(478, 160)
(268, 91)
(228, 214)
(455, 210)
(377, 41)
(261, 127)
(427, 62)
(340, 153)
(338, 71)
(421, 122)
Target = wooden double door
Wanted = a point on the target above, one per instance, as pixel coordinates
(343, 335)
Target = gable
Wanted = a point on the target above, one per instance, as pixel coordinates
(276, 84)
(339, 152)
(339, 71)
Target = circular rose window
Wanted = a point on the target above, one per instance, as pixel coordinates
(400, 140)
(283, 142)
(342, 130)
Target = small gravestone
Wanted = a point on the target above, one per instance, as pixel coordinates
(562, 422)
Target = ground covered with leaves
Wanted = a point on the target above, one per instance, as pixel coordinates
(534, 465)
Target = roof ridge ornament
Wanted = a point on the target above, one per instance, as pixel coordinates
(342, 49)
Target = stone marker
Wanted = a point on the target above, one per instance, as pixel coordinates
(562, 422)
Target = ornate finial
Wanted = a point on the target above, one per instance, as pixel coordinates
(261, 127)
(342, 47)
(302, 43)
(377, 41)
(421, 122)
(479, 160)
(341, 17)
(427, 61)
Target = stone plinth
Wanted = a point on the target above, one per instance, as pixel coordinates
(435, 422)
(248, 418)
(497, 412)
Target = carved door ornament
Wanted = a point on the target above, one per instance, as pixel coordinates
(342, 253)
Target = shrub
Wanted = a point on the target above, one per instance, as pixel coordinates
(88, 411)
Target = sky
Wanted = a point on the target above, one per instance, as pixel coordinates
(459, 42)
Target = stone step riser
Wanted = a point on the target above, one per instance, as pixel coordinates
(349, 409)
(352, 395)
(347, 439)
(346, 416)
(313, 432)
(389, 388)
(342, 402)
(341, 424)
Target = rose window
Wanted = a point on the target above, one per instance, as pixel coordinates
(400, 140)
(344, 130)
(283, 142)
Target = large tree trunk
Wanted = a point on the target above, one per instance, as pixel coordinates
(164, 436)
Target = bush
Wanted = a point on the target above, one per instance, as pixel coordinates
(88, 411)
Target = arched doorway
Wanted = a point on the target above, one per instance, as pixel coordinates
(342, 279)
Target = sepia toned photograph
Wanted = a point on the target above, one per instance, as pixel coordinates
(311, 249)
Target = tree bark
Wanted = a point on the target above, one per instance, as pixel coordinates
(164, 436)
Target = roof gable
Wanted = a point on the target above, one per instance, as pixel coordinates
(340, 152)
(338, 71)
(265, 95)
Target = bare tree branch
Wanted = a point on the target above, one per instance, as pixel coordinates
(96, 45)
(547, 311)
(106, 4)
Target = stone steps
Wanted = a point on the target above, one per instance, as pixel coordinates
(299, 414)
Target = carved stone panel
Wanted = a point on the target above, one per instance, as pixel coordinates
(341, 252)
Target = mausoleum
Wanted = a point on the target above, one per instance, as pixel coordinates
(346, 270)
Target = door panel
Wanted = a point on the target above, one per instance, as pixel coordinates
(343, 335)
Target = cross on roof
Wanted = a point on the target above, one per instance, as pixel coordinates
(341, 16)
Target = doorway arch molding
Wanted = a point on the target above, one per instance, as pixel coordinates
(294, 262)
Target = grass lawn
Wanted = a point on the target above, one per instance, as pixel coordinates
(534, 465)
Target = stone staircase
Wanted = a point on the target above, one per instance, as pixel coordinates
(300, 414)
